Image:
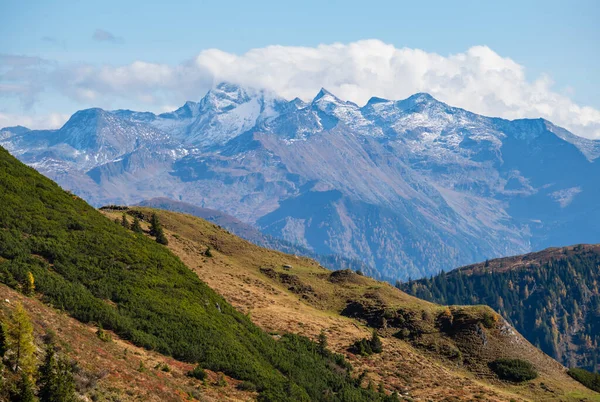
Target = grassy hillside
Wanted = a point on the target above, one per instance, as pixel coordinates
(253, 235)
(98, 271)
(430, 352)
(552, 297)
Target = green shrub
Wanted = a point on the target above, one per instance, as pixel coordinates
(366, 347)
(163, 367)
(515, 370)
(197, 373)
(103, 335)
(590, 380)
(489, 320)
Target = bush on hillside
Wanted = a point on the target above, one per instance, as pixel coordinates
(366, 347)
(590, 380)
(514, 370)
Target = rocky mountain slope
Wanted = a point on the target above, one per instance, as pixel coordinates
(552, 297)
(409, 187)
(430, 352)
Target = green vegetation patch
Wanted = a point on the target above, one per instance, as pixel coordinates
(590, 380)
(514, 370)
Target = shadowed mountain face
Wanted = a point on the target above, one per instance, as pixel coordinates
(409, 187)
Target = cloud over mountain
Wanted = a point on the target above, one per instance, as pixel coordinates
(478, 79)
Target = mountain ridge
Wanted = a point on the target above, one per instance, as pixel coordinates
(443, 186)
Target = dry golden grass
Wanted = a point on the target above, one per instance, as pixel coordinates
(314, 304)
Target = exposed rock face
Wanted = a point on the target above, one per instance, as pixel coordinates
(410, 187)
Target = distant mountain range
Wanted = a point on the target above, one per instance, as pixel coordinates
(409, 187)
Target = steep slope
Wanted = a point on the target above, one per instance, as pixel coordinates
(409, 187)
(117, 369)
(431, 361)
(98, 271)
(253, 235)
(552, 297)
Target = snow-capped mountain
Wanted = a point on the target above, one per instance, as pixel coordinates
(410, 186)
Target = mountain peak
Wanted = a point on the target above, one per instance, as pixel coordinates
(422, 97)
(16, 129)
(420, 101)
(225, 95)
(85, 115)
(323, 93)
(188, 110)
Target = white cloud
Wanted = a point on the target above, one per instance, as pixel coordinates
(46, 121)
(478, 79)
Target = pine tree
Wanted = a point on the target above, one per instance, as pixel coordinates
(20, 345)
(3, 341)
(376, 345)
(24, 391)
(161, 238)
(124, 221)
(154, 225)
(156, 230)
(135, 226)
(47, 374)
(322, 344)
(56, 379)
(29, 285)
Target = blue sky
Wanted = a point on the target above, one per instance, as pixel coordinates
(554, 40)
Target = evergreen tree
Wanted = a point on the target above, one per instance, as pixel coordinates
(24, 391)
(156, 230)
(3, 341)
(56, 378)
(124, 221)
(322, 343)
(20, 347)
(155, 226)
(135, 226)
(376, 345)
(161, 238)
